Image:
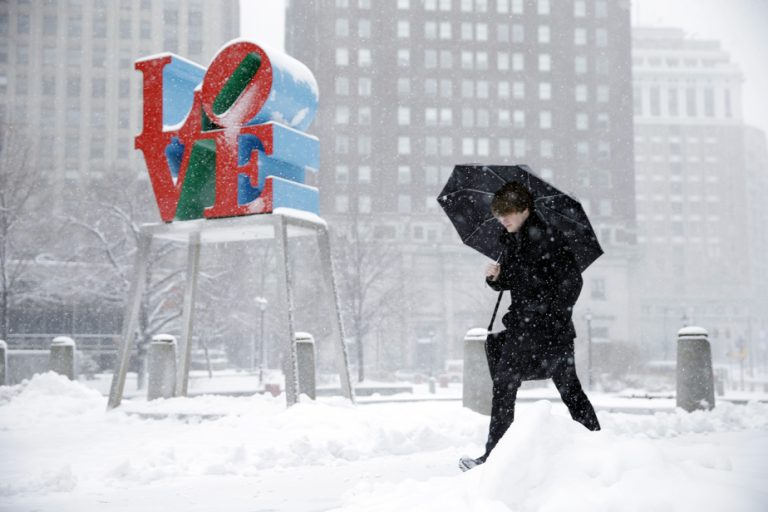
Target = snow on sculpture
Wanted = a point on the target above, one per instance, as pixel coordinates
(229, 140)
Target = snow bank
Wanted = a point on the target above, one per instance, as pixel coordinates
(547, 462)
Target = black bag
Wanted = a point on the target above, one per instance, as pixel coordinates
(521, 359)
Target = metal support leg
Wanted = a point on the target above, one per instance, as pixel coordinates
(342, 358)
(185, 348)
(130, 319)
(284, 271)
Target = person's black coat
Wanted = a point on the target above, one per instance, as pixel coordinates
(539, 269)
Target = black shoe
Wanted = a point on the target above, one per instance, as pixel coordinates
(467, 463)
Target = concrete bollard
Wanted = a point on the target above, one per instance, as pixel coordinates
(162, 367)
(477, 388)
(305, 352)
(62, 357)
(695, 380)
(3, 361)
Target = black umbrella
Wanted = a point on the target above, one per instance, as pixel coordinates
(467, 196)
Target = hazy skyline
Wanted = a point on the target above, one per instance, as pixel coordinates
(737, 24)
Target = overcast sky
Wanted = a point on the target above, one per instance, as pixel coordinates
(740, 25)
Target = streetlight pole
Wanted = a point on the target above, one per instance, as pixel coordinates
(262, 303)
(588, 318)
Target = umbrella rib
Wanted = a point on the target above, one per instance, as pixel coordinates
(565, 216)
(485, 192)
(478, 227)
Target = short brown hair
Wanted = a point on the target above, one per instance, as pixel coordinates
(513, 197)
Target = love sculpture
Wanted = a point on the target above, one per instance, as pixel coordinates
(221, 145)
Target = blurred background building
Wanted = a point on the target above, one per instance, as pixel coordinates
(700, 180)
(411, 88)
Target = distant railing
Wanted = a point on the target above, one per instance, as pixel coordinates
(94, 343)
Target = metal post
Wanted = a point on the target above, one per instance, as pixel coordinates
(263, 343)
(305, 350)
(284, 270)
(342, 357)
(130, 319)
(185, 348)
(588, 318)
(3, 362)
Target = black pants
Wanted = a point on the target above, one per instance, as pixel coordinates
(507, 379)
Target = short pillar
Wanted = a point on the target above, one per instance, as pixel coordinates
(305, 353)
(62, 358)
(3, 362)
(477, 388)
(695, 380)
(162, 367)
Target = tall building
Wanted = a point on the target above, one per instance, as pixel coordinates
(67, 77)
(693, 201)
(69, 87)
(409, 88)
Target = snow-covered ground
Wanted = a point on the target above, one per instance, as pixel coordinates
(61, 451)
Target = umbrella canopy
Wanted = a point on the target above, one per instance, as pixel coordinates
(466, 199)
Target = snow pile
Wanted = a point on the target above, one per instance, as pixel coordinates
(46, 397)
(547, 462)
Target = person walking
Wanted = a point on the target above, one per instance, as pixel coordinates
(540, 271)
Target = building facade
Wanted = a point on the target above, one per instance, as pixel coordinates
(409, 88)
(67, 77)
(697, 213)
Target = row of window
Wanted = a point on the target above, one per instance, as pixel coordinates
(656, 101)
(471, 118)
(675, 62)
(468, 60)
(473, 146)
(470, 89)
(443, 30)
(543, 7)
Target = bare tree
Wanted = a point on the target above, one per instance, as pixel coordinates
(368, 285)
(18, 181)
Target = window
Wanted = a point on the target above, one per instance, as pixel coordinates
(364, 145)
(518, 117)
(364, 116)
(517, 6)
(403, 29)
(582, 121)
(430, 59)
(519, 148)
(581, 93)
(467, 31)
(342, 204)
(342, 144)
(518, 61)
(342, 27)
(404, 145)
(430, 30)
(403, 4)
(482, 147)
(468, 146)
(579, 36)
(342, 115)
(342, 174)
(505, 148)
(342, 57)
(543, 7)
(446, 88)
(580, 65)
(545, 91)
(482, 89)
(403, 57)
(446, 146)
(518, 33)
(602, 93)
(690, 101)
(364, 174)
(546, 148)
(364, 86)
(598, 289)
(342, 86)
(403, 174)
(502, 33)
(545, 62)
(403, 116)
(49, 25)
(544, 36)
(445, 30)
(655, 97)
(601, 37)
(404, 86)
(481, 32)
(502, 90)
(430, 87)
(502, 61)
(545, 119)
(672, 106)
(403, 203)
(364, 57)
(364, 28)
(364, 204)
(579, 8)
(518, 90)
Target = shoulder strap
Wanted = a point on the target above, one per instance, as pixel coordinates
(495, 310)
